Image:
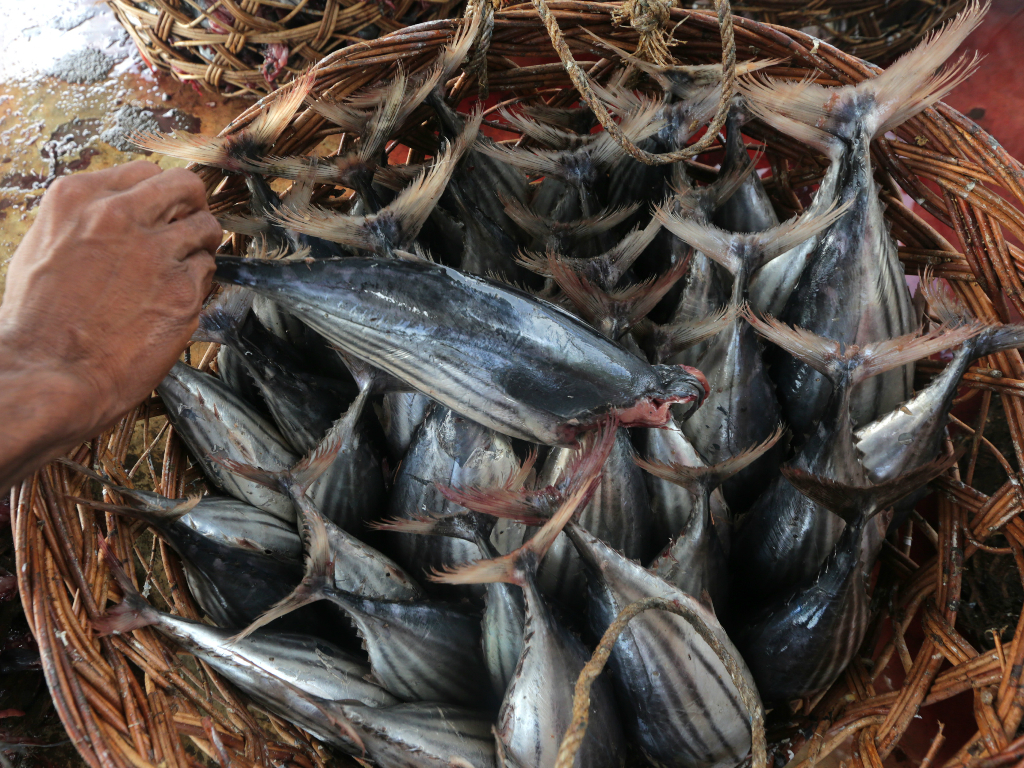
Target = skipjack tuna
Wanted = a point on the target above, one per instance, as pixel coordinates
(468, 410)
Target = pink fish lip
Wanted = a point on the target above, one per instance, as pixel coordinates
(652, 412)
(697, 374)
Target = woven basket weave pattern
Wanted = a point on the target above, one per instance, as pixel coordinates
(171, 39)
(133, 701)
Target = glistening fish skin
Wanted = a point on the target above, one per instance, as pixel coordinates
(219, 518)
(671, 504)
(423, 735)
(283, 672)
(912, 435)
(619, 513)
(508, 361)
(420, 651)
(800, 642)
(854, 288)
(402, 416)
(211, 419)
(678, 702)
(451, 451)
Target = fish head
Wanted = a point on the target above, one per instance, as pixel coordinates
(680, 385)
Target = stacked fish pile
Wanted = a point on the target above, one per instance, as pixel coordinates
(467, 412)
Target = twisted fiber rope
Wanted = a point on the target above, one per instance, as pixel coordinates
(648, 18)
(581, 697)
(582, 83)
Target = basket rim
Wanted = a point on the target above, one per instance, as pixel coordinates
(958, 159)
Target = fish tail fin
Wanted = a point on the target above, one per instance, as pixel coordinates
(857, 504)
(730, 180)
(715, 243)
(621, 256)
(951, 312)
(151, 514)
(146, 510)
(669, 340)
(273, 119)
(414, 203)
(730, 249)
(133, 612)
(516, 567)
(627, 305)
(914, 82)
(942, 301)
(383, 121)
(318, 576)
(221, 318)
(818, 115)
(778, 240)
(881, 356)
(834, 360)
(698, 479)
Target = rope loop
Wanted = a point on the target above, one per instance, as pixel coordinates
(573, 738)
(477, 63)
(582, 82)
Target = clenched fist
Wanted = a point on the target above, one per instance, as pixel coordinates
(102, 296)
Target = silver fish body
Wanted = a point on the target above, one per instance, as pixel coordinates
(518, 365)
(785, 537)
(804, 638)
(619, 514)
(740, 411)
(420, 651)
(678, 702)
(911, 435)
(402, 416)
(503, 625)
(351, 490)
(231, 370)
(451, 451)
(423, 735)
(748, 209)
(212, 419)
(854, 291)
(695, 561)
(362, 570)
(287, 673)
(537, 707)
(671, 504)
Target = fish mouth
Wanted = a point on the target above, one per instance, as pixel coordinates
(701, 378)
(652, 412)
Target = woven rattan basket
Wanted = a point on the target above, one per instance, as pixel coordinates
(876, 30)
(135, 701)
(254, 46)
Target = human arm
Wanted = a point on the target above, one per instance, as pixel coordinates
(102, 295)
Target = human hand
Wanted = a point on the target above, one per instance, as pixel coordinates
(105, 289)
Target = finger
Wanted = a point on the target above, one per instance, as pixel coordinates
(123, 177)
(199, 231)
(200, 267)
(169, 196)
